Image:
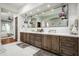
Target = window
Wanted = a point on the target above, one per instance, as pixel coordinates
(6, 26)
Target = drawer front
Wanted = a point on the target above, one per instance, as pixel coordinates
(68, 46)
(68, 39)
(68, 52)
(38, 35)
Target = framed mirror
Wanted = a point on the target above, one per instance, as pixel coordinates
(56, 16)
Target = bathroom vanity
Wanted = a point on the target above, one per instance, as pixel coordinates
(61, 44)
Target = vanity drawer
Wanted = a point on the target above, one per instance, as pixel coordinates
(68, 52)
(68, 39)
(68, 46)
(38, 37)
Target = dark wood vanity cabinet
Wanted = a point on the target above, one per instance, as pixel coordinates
(32, 39)
(51, 43)
(68, 46)
(24, 37)
(55, 44)
(38, 40)
(47, 42)
(61, 45)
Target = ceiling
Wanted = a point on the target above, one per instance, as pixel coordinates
(17, 7)
(14, 7)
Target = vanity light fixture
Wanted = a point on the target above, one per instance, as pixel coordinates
(62, 13)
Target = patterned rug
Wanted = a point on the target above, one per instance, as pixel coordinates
(44, 53)
(23, 45)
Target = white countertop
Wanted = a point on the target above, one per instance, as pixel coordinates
(56, 34)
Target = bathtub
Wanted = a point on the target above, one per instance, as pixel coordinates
(6, 35)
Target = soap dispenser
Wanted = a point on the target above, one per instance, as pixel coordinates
(74, 30)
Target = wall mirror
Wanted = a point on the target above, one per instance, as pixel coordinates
(53, 17)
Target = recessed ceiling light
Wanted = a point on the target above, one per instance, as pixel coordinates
(48, 5)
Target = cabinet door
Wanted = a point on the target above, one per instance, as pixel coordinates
(32, 39)
(55, 44)
(46, 42)
(68, 46)
(22, 37)
(38, 40)
(26, 37)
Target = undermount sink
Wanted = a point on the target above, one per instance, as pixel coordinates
(52, 31)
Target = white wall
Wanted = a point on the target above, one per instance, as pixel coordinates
(78, 17)
(20, 24)
(0, 26)
(13, 24)
(73, 14)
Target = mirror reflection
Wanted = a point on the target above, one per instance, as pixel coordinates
(52, 17)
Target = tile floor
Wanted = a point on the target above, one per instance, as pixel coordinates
(13, 49)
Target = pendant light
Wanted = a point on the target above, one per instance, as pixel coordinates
(62, 13)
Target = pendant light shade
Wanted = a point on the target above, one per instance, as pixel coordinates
(62, 13)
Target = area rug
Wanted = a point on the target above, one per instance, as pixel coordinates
(23, 45)
(43, 53)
